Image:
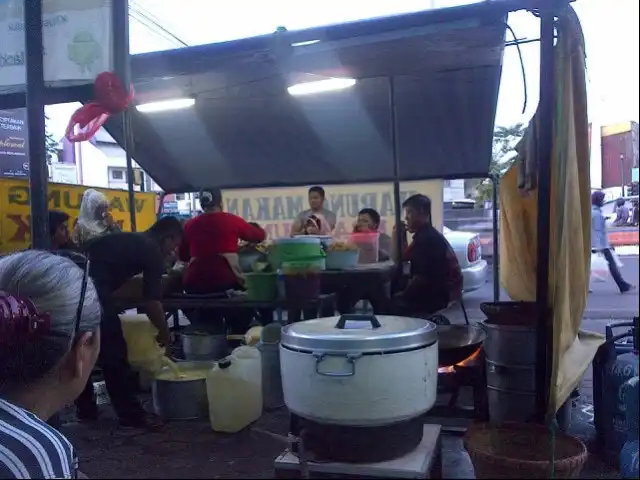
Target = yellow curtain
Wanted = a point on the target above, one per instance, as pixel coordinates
(570, 242)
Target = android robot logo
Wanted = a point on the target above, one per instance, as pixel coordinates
(84, 51)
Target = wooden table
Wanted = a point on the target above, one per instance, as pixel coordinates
(173, 303)
(360, 282)
(369, 272)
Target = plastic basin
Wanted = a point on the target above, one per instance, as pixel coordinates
(293, 249)
(342, 260)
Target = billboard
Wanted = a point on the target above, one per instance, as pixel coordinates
(77, 41)
(14, 158)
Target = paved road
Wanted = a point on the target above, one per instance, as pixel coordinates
(604, 303)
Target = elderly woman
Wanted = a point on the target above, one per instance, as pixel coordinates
(49, 342)
(94, 219)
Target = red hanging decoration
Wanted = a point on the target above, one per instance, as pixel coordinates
(111, 98)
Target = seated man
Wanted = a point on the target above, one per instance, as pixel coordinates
(434, 275)
(377, 295)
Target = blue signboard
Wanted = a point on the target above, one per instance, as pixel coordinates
(170, 207)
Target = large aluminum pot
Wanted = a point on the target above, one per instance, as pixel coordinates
(200, 346)
(359, 370)
(182, 399)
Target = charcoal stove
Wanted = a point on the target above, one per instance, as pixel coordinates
(462, 395)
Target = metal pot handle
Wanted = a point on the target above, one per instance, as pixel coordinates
(357, 317)
(350, 358)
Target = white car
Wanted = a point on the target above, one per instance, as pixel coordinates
(468, 249)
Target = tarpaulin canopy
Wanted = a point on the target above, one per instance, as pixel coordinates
(246, 130)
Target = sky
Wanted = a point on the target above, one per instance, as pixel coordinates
(610, 27)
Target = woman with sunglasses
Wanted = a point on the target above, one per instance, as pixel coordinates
(49, 343)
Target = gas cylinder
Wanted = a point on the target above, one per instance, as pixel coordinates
(616, 363)
(629, 456)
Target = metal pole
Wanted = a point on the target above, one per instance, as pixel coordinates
(396, 164)
(495, 180)
(622, 174)
(35, 100)
(544, 337)
(120, 42)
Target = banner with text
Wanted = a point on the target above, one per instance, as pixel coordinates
(76, 36)
(14, 159)
(275, 208)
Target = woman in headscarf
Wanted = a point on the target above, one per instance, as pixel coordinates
(94, 219)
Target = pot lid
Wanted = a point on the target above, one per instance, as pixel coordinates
(359, 334)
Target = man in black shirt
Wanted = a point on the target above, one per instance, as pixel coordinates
(435, 278)
(114, 259)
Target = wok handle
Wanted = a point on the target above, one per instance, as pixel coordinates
(357, 317)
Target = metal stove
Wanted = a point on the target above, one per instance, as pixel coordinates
(462, 395)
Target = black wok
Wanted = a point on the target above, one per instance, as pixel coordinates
(458, 342)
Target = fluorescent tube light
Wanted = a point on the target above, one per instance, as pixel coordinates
(328, 85)
(165, 105)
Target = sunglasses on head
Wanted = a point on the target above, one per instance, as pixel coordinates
(82, 262)
(20, 317)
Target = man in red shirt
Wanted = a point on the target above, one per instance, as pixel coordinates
(210, 247)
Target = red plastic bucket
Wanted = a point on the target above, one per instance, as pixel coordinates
(368, 243)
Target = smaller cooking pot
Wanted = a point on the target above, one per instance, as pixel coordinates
(182, 399)
(202, 346)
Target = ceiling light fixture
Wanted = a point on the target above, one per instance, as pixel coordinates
(305, 43)
(320, 86)
(165, 105)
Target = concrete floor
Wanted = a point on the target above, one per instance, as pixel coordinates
(191, 450)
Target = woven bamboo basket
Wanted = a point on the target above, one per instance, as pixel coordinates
(518, 450)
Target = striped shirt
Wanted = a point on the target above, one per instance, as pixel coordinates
(29, 448)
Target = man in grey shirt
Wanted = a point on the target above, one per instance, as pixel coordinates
(317, 220)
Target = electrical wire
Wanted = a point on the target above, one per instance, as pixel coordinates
(524, 74)
(147, 19)
(134, 17)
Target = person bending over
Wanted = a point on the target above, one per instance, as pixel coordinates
(49, 342)
(115, 259)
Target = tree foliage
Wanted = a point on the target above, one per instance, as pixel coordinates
(51, 144)
(503, 156)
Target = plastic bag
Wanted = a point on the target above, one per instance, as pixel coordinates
(599, 268)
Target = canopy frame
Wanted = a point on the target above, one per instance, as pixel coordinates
(36, 96)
